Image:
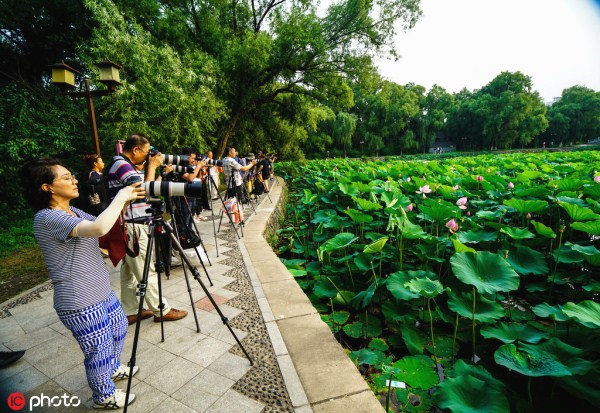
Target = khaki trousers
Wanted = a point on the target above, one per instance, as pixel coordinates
(132, 271)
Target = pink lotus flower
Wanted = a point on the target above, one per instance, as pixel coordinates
(597, 178)
(409, 208)
(479, 178)
(424, 190)
(462, 202)
(455, 187)
(511, 185)
(452, 225)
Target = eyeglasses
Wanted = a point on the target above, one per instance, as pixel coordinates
(143, 151)
(68, 177)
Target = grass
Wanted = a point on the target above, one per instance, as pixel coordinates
(21, 263)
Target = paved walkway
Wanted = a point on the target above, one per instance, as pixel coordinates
(195, 371)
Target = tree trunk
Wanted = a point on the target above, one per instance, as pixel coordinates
(222, 144)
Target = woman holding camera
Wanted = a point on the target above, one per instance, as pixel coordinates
(83, 298)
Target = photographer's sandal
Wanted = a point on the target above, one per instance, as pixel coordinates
(116, 401)
(122, 373)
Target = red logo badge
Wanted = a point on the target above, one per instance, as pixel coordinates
(16, 401)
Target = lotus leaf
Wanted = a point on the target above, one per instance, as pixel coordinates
(489, 215)
(376, 246)
(361, 187)
(296, 272)
(325, 288)
(581, 388)
(578, 213)
(425, 287)
(366, 356)
(358, 329)
(593, 191)
(517, 233)
(552, 312)
(443, 347)
(363, 261)
(586, 312)
(341, 240)
(364, 297)
(566, 354)
(526, 206)
(344, 297)
(569, 184)
(366, 205)
(511, 332)
(488, 272)
(477, 236)
(416, 371)
(567, 255)
(535, 364)
(467, 394)
(486, 311)
(396, 283)
(591, 227)
(459, 247)
(543, 230)
(562, 198)
(358, 216)
(439, 213)
(527, 261)
(414, 340)
(535, 192)
(378, 344)
(348, 189)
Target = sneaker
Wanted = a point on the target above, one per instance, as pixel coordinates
(122, 373)
(116, 401)
(172, 315)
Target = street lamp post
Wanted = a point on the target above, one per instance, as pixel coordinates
(64, 77)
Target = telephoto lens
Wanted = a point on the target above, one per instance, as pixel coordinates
(169, 189)
(176, 159)
(183, 169)
(212, 162)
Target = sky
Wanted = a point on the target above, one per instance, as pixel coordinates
(467, 43)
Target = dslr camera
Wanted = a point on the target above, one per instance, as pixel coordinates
(211, 162)
(174, 160)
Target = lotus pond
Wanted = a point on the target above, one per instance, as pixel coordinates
(465, 284)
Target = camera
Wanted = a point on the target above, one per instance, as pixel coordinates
(183, 169)
(171, 159)
(169, 189)
(212, 162)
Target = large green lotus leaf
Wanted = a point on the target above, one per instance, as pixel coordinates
(417, 371)
(367, 356)
(517, 233)
(344, 297)
(460, 247)
(511, 332)
(467, 394)
(359, 216)
(341, 240)
(566, 354)
(325, 288)
(348, 188)
(297, 272)
(582, 388)
(366, 205)
(593, 191)
(552, 312)
(358, 328)
(439, 213)
(527, 176)
(534, 364)
(396, 283)
(567, 255)
(486, 311)
(309, 197)
(525, 206)
(363, 261)
(476, 236)
(425, 287)
(414, 340)
(571, 200)
(586, 312)
(378, 344)
(543, 230)
(410, 230)
(489, 215)
(568, 184)
(444, 345)
(362, 187)
(535, 192)
(578, 213)
(527, 261)
(488, 272)
(461, 368)
(591, 227)
(375, 246)
(590, 253)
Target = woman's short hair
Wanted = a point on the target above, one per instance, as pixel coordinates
(90, 160)
(137, 139)
(34, 174)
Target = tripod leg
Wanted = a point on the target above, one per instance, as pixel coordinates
(158, 267)
(188, 229)
(212, 184)
(210, 298)
(141, 294)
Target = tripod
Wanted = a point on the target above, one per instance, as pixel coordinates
(156, 226)
(211, 181)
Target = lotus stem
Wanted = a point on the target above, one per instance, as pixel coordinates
(555, 264)
(473, 322)
(431, 328)
(454, 337)
(387, 397)
(529, 391)
(351, 276)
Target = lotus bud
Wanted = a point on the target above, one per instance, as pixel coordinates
(408, 179)
(468, 213)
(489, 170)
(597, 178)
(528, 216)
(561, 229)
(455, 187)
(409, 208)
(462, 202)
(452, 225)
(511, 185)
(479, 178)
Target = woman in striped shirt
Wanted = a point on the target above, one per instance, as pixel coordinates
(83, 298)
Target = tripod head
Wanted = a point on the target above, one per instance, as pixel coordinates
(157, 208)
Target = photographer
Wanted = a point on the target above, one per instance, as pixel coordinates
(196, 176)
(231, 168)
(83, 298)
(124, 171)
